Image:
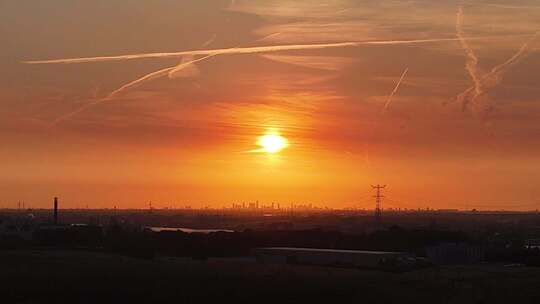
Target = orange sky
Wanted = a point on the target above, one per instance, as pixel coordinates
(128, 131)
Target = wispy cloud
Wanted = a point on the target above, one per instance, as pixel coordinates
(505, 6)
(288, 9)
(328, 30)
(329, 63)
(210, 41)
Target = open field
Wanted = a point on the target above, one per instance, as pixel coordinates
(48, 276)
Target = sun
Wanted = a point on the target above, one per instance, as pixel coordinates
(272, 143)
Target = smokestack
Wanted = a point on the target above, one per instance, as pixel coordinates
(56, 210)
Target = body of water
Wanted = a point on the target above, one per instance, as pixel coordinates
(188, 230)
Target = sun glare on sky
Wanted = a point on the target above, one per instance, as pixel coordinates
(277, 100)
(272, 143)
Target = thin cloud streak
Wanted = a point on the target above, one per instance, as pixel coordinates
(79, 110)
(210, 41)
(247, 50)
(504, 6)
(328, 63)
(389, 100)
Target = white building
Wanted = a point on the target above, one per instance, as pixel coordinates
(332, 257)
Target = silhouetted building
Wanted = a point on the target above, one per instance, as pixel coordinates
(455, 253)
(68, 235)
(332, 257)
(19, 228)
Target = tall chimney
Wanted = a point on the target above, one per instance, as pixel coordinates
(56, 210)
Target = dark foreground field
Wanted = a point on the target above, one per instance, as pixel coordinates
(85, 277)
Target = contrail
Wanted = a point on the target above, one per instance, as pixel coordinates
(66, 116)
(166, 71)
(177, 70)
(214, 52)
(170, 71)
(246, 50)
(494, 77)
(192, 70)
(517, 56)
(472, 61)
(389, 100)
(139, 81)
(127, 86)
(190, 58)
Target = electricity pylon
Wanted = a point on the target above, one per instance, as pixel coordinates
(378, 197)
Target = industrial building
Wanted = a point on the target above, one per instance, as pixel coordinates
(332, 257)
(23, 227)
(18, 228)
(455, 253)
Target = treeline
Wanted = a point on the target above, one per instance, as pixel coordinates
(143, 243)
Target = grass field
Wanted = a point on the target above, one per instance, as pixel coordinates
(43, 276)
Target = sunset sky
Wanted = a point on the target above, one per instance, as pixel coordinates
(179, 122)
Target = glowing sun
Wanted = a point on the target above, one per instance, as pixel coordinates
(272, 143)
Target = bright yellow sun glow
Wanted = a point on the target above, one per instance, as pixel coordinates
(272, 143)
